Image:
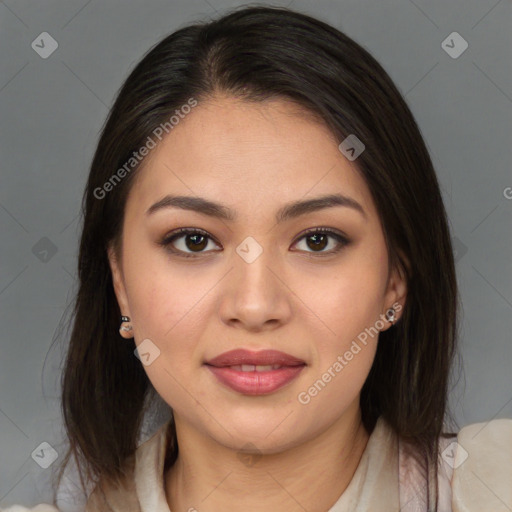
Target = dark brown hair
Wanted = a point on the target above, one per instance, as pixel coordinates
(257, 54)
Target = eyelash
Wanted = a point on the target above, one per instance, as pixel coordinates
(342, 240)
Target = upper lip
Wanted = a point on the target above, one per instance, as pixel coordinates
(262, 357)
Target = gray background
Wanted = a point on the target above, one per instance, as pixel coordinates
(51, 111)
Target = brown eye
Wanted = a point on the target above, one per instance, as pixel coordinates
(196, 242)
(192, 242)
(187, 241)
(317, 239)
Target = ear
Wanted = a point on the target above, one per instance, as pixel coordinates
(118, 281)
(396, 292)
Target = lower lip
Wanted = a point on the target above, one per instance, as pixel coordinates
(256, 383)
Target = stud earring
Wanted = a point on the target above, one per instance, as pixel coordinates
(125, 328)
(391, 315)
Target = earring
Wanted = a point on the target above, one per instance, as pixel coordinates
(391, 315)
(125, 328)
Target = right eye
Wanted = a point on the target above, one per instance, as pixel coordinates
(189, 239)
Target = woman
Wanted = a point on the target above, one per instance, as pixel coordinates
(264, 228)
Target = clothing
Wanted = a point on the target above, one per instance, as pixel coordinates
(43, 507)
(475, 475)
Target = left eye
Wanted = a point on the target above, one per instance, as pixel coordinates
(196, 241)
(318, 240)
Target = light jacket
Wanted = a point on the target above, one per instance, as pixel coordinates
(474, 475)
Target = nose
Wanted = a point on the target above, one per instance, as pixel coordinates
(256, 296)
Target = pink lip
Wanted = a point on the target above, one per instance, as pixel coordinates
(255, 382)
(263, 357)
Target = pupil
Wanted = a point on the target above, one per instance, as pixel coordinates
(196, 240)
(318, 244)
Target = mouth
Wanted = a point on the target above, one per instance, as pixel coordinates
(264, 358)
(254, 367)
(255, 373)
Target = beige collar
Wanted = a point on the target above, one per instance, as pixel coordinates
(374, 482)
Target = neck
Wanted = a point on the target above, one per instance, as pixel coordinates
(210, 477)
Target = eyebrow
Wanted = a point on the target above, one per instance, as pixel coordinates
(288, 211)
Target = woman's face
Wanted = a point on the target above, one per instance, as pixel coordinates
(251, 278)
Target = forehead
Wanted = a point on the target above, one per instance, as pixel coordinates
(249, 155)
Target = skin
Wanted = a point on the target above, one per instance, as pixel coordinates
(255, 158)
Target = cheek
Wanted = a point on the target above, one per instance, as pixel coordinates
(353, 300)
(174, 321)
(168, 308)
(162, 295)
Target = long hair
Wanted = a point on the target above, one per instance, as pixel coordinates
(258, 54)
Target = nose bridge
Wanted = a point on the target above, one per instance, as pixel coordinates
(252, 262)
(254, 295)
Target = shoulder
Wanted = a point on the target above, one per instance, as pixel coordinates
(481, 459)
(141, 484)
(110, 496)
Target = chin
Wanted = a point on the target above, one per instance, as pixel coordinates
(266, 431)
